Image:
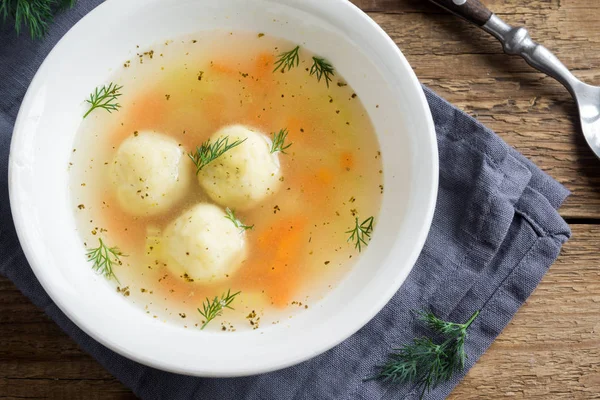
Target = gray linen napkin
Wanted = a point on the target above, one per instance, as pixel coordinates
(495, 233)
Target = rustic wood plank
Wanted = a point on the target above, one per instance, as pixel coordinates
(472, 10)
(551, 350)
(38, 361)
(529, 110)
(423, 6)
(63, 389)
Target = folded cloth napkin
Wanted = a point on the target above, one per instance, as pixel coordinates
(495, 233)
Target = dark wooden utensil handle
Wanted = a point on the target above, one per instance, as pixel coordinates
(471, 10)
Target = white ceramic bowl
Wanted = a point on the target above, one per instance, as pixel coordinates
(51, 112)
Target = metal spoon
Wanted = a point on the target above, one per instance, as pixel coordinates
(517, 41)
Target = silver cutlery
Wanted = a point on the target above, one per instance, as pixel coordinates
(516, 41)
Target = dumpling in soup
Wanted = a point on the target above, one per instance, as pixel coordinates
(150, 172)
(244, 175)
(203, 245)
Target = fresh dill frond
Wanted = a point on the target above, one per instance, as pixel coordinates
(238, 224)
(440, 326)
(207, 152)
(361, 232)
(425, 362)
(288, 59)
(104, 258)
(278, 144)
(33, 14)
(320, 67)
(104, 97)
(323, 69)
(213, 309)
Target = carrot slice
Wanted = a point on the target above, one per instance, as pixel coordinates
(121, 227)
(295, 126)
(254, 115)
(148, 111)
(347, 160)
(223, 68)
(264, 65)
(324, 176)
(214, 106)
(278, 269)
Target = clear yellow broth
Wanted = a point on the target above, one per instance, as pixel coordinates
(188, 89)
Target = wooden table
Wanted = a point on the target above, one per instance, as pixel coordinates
(551, 349)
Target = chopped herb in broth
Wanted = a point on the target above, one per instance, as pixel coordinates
(230, 215)
(104, 97)
(279, 144)
(287, 60)
(361, 233)
(208, 152)
(236, 182)
(214, 308)
(322, 69)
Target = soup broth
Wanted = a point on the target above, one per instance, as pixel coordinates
(298, 247)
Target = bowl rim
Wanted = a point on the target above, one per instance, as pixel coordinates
(145, 359)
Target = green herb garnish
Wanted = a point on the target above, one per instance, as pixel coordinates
(212, 309)
(323, 69)
(33, 14)
(238, 224)
(207, 152)
(104, 258)
(361, 232)
(279, 141)
(288, 59)
(426, 363)
(104, 97)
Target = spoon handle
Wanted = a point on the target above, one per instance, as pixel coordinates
(515, 40)
(472, 10)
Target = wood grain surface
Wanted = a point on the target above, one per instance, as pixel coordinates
(472, 10)
(551, 350)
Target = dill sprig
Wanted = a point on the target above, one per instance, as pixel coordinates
(425, 362)
(288, 59)
(323, 69)
(440, 326)
(361, 232)
(279, 142)
(238, 224)
(207, 152)
(212, 309)
(33, 14)
(104, 97)
(104, 258)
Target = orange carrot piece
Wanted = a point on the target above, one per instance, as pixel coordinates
(264, 64)
(118, 135)
(317, 186)
(121, 226)
(214, 105)
(281, 293)
(347, 160)
(223, 69)
(324, 176)
(302, 132)
(254, 115)
(280, 230)
(281, 246)
(295, 127)
(147, 111)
